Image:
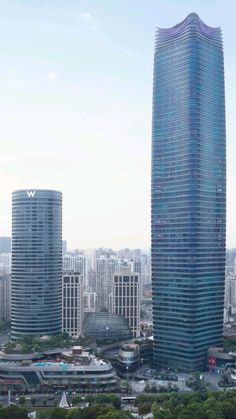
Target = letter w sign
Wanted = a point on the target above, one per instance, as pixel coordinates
(30, 194)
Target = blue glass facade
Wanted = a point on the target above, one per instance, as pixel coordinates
(36, 288)
(188, 194)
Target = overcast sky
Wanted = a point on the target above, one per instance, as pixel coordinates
(75, 109)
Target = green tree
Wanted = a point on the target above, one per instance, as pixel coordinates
(228, 409)
(13, 412)
(197, 382)
(76, 400)
(166, 414)
(213, 408)
(155, 409)
(102, 398)
(89, 398)
(144, 409)
(58, 413)
(22, 400)
(115, 415)
(193, 411)
(92, 412)
(115, 400)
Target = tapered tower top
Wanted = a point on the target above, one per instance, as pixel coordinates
(191, 24)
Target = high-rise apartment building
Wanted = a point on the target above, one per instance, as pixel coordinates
(72, 303)
(230, 261)
(76, 263)
(5, 263)
(105, 268)
(230, 296)
(92, 280)
(36, 289)
(188, 194)
(64, 247)
(126, 299)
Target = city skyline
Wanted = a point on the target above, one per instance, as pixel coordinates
(70, 74)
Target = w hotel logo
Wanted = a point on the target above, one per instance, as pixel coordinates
(30, 194)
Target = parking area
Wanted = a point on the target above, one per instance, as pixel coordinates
(168, 379)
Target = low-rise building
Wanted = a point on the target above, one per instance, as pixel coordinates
(74, 369)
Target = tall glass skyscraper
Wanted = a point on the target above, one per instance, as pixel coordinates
(36, 290)
(188, 194)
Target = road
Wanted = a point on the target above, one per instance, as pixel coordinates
(39, 400)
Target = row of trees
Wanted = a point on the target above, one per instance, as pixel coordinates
(196, 405)
(229, 344)
(30, 344)
(111, 399)
(98, 411)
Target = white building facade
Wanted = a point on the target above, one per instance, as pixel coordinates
(126, 299)
(72, 303)
(105, 268)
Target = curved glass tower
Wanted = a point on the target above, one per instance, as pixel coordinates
(188, 194)
(36, 290)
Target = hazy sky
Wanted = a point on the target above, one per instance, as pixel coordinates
(75, 109)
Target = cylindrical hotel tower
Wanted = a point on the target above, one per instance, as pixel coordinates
(36, 290)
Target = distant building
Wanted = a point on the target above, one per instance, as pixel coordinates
(5, 263)
(72, 303)
(76, 263)
(5, 244)
(230, 261)
(110, 303)
(126, 299)
(90, 302)
(230, 296)
(105, 268)
(5, 297)
(92, 280)
(64, 247)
